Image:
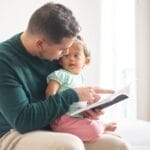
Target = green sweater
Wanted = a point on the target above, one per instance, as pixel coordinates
(22, 90)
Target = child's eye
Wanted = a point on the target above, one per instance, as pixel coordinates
(77, 56)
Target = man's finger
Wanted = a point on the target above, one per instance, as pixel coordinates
(103, 91)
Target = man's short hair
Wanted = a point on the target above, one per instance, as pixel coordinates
(54, 22)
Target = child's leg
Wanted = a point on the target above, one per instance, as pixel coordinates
(85, 129)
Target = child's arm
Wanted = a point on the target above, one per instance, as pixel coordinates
(52, 88)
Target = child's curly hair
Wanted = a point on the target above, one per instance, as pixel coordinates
(80, 41)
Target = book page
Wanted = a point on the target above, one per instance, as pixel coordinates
(118, 96)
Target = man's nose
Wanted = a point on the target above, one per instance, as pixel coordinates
(65, 52)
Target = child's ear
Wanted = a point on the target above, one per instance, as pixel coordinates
(88, 60)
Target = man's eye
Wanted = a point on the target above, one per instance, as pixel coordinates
(66, 56)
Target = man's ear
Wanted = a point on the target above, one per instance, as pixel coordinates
(39, 43)
(88, 60)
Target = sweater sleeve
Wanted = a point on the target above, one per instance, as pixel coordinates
(21, 113)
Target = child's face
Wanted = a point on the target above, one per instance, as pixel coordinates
(75, 60)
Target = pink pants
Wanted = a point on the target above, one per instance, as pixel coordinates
(85, 129)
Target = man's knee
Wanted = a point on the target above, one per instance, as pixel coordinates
(72, 143)
(124, 146)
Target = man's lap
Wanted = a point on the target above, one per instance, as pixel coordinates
(44, 140)
(40, 140)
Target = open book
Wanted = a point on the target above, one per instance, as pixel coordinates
(112, 99)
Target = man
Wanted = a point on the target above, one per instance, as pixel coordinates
(25, 61)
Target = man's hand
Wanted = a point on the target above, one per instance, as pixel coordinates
(91, 94)
(93, 114)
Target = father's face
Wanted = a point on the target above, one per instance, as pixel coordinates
(55, 51)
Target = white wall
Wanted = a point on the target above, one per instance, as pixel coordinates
(143, 58)
(14, 16)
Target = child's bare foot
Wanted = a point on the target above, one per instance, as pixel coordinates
(112, 133)
(111, 126)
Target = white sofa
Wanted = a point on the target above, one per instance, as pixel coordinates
(137, 133)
